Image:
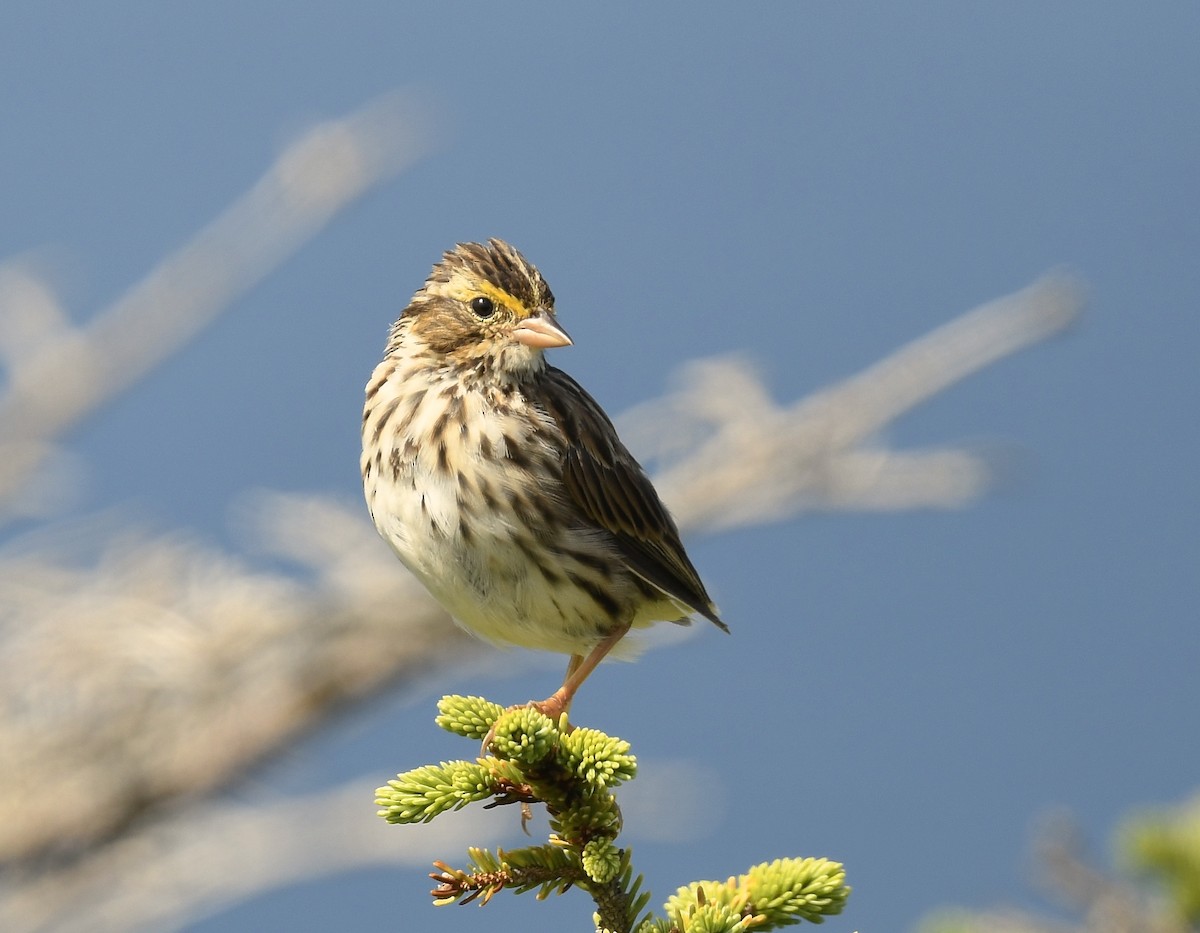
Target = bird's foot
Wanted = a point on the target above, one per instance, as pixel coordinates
(554, 706)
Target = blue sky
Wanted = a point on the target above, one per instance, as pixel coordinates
(810, 184)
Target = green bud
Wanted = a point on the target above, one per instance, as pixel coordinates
(788, 888)
(601, 760)
(601, 860)
(470, 717)
(420, 795)
(524, 735)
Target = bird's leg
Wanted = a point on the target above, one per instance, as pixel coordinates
(572, 666)
(578, 670)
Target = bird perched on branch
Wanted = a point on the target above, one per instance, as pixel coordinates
(502, 485)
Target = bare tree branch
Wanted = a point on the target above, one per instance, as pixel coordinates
(761, 462)
(59, 374)
(1063, 870)
(162, 875)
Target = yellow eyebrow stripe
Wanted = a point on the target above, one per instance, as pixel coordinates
(464, 289)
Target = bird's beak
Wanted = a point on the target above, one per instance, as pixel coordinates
(541, 331)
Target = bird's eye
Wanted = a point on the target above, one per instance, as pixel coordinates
(483, 306)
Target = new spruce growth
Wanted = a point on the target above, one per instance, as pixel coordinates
(572, 771)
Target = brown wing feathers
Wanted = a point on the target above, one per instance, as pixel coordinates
(611, 489)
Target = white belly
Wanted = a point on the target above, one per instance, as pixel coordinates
(489, 585)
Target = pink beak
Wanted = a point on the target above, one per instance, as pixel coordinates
(541, 331)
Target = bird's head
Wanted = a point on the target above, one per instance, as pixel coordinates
(485, 305)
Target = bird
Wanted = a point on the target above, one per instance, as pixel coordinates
(502, 485)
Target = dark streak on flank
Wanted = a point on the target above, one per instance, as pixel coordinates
(596, 562)
(519, 457)
(599, 595)
(416, 398)
(379, 383)
(384, 416)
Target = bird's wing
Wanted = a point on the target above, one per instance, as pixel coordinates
(611, 489)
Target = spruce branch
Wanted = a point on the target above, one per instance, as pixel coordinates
(1163, 847)
(572, 772)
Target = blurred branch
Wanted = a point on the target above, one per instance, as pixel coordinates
(1103, 902)
(749, 460)
(155, 877)
(1163, 846)
(58, 374)
(163, 670)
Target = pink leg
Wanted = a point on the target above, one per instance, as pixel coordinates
(578, 670)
